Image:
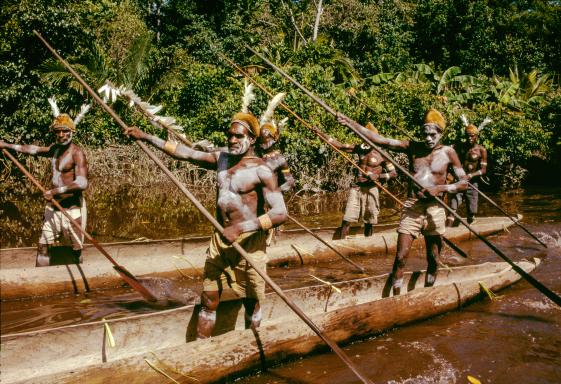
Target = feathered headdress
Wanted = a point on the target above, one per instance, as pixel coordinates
(64, 119)
(245, 117)
(471, 128)
(267, 120)
(110, 92)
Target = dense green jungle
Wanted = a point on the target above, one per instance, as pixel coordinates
(380, 61)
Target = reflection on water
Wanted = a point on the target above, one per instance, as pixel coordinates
(516, 338)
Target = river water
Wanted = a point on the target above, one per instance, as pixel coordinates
(515, 338)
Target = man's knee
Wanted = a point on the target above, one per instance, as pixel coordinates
(43, 259)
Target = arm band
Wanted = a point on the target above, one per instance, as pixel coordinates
(265, 222)
(170, 147)
(483, 163)
(285, 170)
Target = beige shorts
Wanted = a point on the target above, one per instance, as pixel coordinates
(57, 229)
(362, 202)
(226, 268)
(425, 217)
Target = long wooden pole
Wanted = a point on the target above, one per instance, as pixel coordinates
(537, 284)
(517, 222)
(323, 137)
(214, 222)
(361, 269)
(123, 272)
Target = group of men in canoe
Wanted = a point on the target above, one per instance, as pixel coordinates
(250, 202)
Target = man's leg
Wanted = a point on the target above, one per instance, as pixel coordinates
(455, 202)
(404, 242)
(368, 229)
(252, 313)
(207, 315)
(472, 199)
(43, 259)
(345, 228)
(433, 245)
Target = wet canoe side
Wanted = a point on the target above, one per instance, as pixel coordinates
(20, 279)
(76, 353)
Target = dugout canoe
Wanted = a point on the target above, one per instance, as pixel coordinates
(172, 258)
(82, 354)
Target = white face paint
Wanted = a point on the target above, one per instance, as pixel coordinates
(432, 135)
(239, 140)
(241, 147)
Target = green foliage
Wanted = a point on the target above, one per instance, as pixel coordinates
(499, 59)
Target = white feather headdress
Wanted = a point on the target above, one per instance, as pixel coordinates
(484, 123)
(56, 111)
(267, 116)
(248, 96)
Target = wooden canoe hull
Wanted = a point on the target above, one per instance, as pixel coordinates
(80, 353)
(164, 258)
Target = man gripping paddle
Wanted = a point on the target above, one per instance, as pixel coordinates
(429, 162)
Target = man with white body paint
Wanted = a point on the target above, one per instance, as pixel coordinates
(69, 180)
(429, 162)
(245, 186)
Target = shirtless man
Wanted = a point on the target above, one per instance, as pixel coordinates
(245, 185)
(428, 162)
(274, 158)
(364, 197)
(69, 180)
(474, 160)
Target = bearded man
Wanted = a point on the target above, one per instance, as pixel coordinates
(364, 199)
(429, 162)
(69, 180)
(245, 185)
(474, 159)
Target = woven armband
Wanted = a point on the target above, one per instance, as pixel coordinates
(265, 222)
(170, 147)
(285, 170)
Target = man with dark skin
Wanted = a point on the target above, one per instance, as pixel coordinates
(474, 159)
(363, 200)
(69, 180)
(274, 158)
(428, 162)
(245, 185)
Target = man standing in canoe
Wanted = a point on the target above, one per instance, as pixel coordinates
(245, 186)
(69, 180)
(474, 159)
(364, 198)
(429, 162)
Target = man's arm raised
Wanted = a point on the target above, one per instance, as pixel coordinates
(393, 144)
(26, 148)
(179, 151)
(286, 176)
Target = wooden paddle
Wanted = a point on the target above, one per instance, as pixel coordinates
(323, 137)
(515, 221)
(213, 221)
(128, 277)
(537, 284)
(361, 269)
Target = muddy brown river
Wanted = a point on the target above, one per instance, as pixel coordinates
(515, 338)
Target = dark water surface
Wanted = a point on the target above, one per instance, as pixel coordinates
(513, 339)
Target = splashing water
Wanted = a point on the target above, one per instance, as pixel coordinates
(552, 240)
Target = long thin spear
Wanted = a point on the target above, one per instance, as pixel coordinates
(123, 272)
(517, 222)
(323, 137)
(213, 221)
(537, 284)
(361, 269)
